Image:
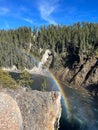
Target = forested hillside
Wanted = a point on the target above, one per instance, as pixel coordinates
(74, 50)
(17, 45)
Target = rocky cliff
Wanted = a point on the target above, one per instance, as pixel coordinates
(82, 73)
(39, 110)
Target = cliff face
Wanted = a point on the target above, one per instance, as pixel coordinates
(84, 73)
(40, 110)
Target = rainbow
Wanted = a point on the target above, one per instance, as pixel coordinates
(60, 89)
(69, 115)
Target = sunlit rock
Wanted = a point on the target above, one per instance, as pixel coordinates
(40, 110)
(10, 115)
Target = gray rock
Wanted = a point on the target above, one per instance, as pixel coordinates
(10, 115)
(40, 110)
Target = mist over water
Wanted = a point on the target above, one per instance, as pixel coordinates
(83, 108)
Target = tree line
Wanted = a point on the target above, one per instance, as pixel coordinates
(18, 46)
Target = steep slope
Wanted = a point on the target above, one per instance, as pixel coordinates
(84, 74)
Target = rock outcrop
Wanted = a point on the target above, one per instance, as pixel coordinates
(84, 73)
(10, 115)
(40, 110)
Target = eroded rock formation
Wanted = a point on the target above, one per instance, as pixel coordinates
(40, 110)
(84, 73)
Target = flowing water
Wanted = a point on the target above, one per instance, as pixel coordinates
(81, 112)
(79, 109)
(83, 109)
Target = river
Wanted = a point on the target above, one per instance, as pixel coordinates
(83, 108)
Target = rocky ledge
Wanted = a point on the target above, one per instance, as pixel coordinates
(33, 110)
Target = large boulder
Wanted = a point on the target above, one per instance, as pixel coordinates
(10, 115)
(40, 110)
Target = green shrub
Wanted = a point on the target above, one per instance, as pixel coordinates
(25, 79)
(6, 80)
